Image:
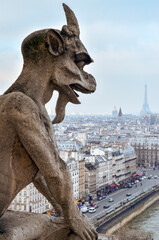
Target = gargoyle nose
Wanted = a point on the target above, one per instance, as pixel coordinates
(83, 57)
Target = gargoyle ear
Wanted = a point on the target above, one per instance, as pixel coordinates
(55, 43)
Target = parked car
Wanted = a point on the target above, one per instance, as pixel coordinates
(155, 177)
(128, 194)
(149, 177)
(125, 201)
(92, 204)
(87, 204)
(106, 206)
(100, 198)
(84, 209)
(95, 205)
(103, 197)
(111, 200)
(129, 185)
(92, 209)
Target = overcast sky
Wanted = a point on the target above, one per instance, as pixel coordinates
(122, 36)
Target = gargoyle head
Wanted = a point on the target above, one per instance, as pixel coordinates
(66, 57)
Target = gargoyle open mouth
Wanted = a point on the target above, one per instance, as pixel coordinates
(79, 88)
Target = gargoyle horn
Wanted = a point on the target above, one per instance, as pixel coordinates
(72, 26)
(72, 22)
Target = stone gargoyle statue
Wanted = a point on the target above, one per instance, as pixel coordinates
(53, 60)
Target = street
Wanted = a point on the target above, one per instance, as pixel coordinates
(120, 195)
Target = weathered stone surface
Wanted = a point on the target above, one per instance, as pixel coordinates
(34, 226)
(26, 226)
(53, 60)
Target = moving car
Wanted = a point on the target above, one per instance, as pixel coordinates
(95, 205)
(128, 194)
(129, 185)
(92, 210)
(84, 209)
(100, 198)
(111, 200)
(106, 206)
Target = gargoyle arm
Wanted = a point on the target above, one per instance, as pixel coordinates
(38, 141)
(36, 137)
(40, 184)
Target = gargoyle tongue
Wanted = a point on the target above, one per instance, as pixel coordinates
(62, 101)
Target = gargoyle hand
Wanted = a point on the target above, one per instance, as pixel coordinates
(83, 228)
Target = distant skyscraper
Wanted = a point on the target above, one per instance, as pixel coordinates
(145, 107)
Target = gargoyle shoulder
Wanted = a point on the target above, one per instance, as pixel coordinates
(17, 104)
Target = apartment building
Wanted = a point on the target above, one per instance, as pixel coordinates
(147, 151)
(30, 199)
(73, 166)
(90, 178)
(81, 178)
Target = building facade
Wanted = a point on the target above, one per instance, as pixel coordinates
(81, 178)
(30, 199)
(73, 166)
(90, 178)
(147, 151)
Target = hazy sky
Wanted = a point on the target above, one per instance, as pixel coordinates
(122, 36)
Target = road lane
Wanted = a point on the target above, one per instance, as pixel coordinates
(120, 195)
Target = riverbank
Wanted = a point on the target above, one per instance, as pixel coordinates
(137, 211)
(110, 223)
(147, 221)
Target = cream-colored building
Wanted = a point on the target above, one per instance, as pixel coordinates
(81, 178)
(147, 151)
(123, 163)
(130, 161)
(101, 171)
(30, 200)
(73, 166)
(118, 166)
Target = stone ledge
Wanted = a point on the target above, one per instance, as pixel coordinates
(35, 226)
(32, 226)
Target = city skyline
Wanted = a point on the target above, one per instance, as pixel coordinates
(122, 37)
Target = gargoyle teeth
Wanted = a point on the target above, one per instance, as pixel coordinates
(79, 88)
(74, 91)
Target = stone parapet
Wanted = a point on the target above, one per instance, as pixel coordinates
(32, 226)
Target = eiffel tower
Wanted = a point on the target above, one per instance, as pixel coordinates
(145, 107)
